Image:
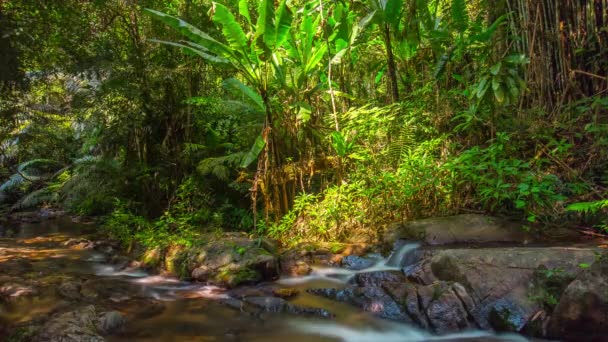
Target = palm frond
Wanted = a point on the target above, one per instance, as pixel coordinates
(12, 183)
(220, 166)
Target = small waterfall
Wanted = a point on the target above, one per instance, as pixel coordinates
(396, 332)
(338, 275)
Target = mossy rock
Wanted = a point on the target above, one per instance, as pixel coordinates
(152, 258)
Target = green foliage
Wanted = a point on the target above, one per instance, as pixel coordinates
(500, 180)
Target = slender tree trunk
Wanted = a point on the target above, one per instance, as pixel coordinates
(392, 70)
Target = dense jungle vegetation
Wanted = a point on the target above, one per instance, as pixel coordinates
(304, 120)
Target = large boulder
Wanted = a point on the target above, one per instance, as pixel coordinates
(501, 281)
(231, 259)
(468, 228)
(582, 312)
(80, 325)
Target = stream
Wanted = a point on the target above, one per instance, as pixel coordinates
(39, 271)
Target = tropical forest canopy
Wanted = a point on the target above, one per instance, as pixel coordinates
(304, 120)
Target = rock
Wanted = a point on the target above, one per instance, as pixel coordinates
(79, 243)
(49, 213)
(468, 228)
(371, 299)
(355, 262)
(443, 308)
(110, 322)
(15, 290)
(152, 258)
(501, 280)
(80, 325)
(280, 305)
(15, 266)
(230, 260)
(582, 312)
(298, 261)
(174, 262)
(69, 290)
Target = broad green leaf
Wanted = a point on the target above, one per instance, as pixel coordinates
(316, 57)
(495, 83)
(337, 58)
(304, 112)
(232, 31)
(244, 11)
(283, 23)
(495, 69)
(392, 11)
(482, 87)
(245, 90)
(361, 25)
(516, 59)
(265, 30)
(192, 33)
(256, 149)
(200, 51)
(499, 94)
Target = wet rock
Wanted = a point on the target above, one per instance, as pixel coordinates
(298, 261)
(12, 290)
(15, 266)
(50, 213)
(285, 292)
(79, 243)
(500, 280)
(443, 308)
(152, 258)
(457, 229)
(69, 290)
(355, 262)
(377, 279)
(280, 305)
(80, 325)
(231, 259)
(371, 299)
(110, 322)
(582, 312)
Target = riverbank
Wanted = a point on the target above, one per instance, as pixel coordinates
(59, 281)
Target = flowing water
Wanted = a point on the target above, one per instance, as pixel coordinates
(166, 309)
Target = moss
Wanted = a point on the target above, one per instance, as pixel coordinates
(22, 334)
(336, 247)
(232, 277)
(153, 257)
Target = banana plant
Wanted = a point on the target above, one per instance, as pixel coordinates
(254, 59)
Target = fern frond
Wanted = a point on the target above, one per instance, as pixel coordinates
(403, 144)
(36, 198)
(588, 207)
